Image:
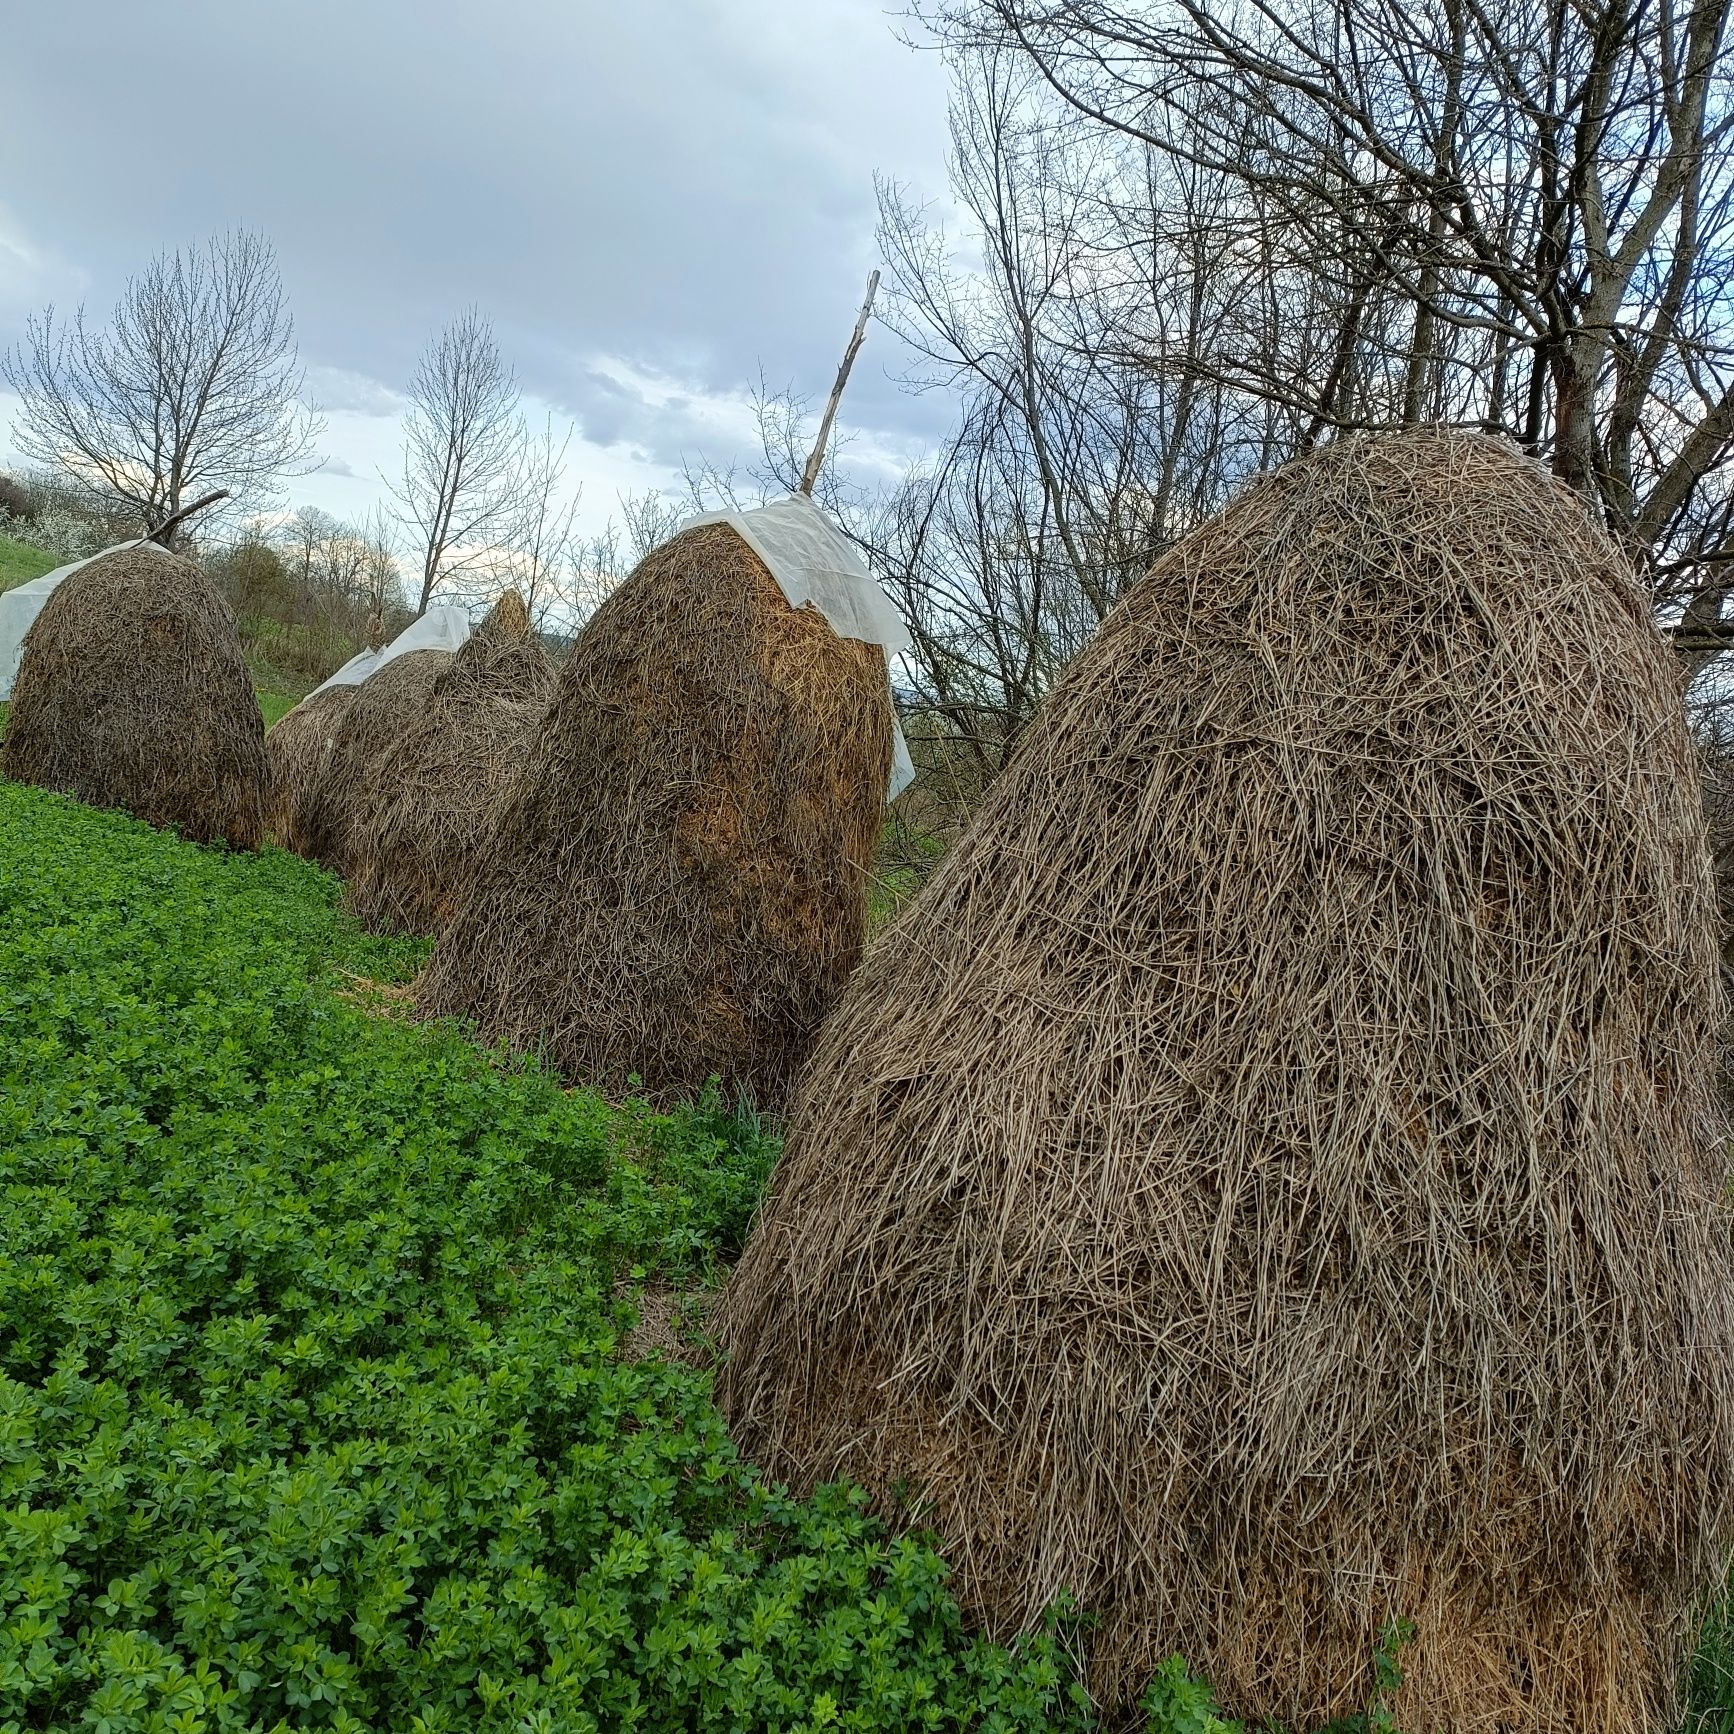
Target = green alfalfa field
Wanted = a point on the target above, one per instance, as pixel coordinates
(320, 1405)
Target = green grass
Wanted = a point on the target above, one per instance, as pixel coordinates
(19, 562)
(275, 704)
(281, 684)
(1710, 1686)
(313, 1405)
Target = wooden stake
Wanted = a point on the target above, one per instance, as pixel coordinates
(810, 475)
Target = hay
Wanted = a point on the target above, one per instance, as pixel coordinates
(431, 799)
(1268, 1183)
(384, 709)
(298, 748)
(676, 884)
(133, 693)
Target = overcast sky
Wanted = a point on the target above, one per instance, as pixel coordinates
(653, 200)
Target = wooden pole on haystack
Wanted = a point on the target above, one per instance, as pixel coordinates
(810, 475)
(164, 532)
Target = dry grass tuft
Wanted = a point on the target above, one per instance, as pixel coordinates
(338, 815)
(133, 693)
(676, 883)
(1268, 1183)
(298, 747)
(430, 801)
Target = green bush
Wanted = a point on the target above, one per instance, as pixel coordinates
(312, 1406)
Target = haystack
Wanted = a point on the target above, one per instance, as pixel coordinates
(675, 885)
(20, 606)
(386, 705)
(133, 692)
(298, 747)
(1267, 1184)
(431, 799)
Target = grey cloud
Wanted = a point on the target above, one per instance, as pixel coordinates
(687, 183)
(338, 388)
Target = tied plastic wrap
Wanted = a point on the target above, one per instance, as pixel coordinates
(815, 564)
(19, 608)
(438, 629)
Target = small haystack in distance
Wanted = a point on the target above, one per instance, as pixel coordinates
(675, 885)
(430, 800)
(1267, 1183)
(133, 692)
(298, 747)
(386, 704)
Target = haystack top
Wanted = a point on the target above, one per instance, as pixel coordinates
(813, 562)
(437, 629)
(20, 606)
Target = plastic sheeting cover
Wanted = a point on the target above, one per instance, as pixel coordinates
(20, 606)
(438, 629)
(902, 766)
(352, 673)
(814, 562)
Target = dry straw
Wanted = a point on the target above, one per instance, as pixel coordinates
(298, 746)
(1268, 1183)
(133, 692)
(430, 800)
(676, 883)
(337, 818)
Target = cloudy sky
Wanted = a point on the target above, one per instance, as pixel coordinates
(653, 200)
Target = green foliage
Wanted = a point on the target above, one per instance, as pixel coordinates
(1710, 1684)
(312, 1408)
(275, 704)
(906, 857)
(19, 562)
(1176, 1703)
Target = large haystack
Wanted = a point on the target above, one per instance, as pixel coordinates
(384, 709)
(1267, 1184)
(676, 883)
(298, 746)
(430, 801)
(133, 692)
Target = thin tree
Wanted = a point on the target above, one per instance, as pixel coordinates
(1520, 215)
(542, 558)
(192, 388)
(465, 478)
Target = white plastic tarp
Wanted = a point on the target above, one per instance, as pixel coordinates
(352, 673)
(20, 606)
(902, 766)
(814, 562)
(437, 629)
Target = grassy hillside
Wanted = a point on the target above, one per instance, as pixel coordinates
(19, 562)
(316, 1409)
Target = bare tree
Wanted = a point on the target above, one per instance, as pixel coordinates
(1073, 332)
(380, 582)
(465, 479)
(192, 387)
(1498, 213)
(541, 551)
